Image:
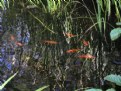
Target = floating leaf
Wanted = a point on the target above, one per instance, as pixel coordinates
(93, 89)
(114, 79)
(115, 34)
(72, 50)
(42, 88)
(88, 56)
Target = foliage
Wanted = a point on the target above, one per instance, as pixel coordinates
(111, 89)
(100, 89)
(62, 40)
(8, 80)
(104, 10)
(115, 33)
(118, 23)
(2, 4)
(93, 89)
(114, 79)
(42, 88)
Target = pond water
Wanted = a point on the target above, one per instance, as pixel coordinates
(12, 44)
(71, 58)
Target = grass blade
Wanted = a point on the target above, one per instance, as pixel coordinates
(42, 88)
(8, 80)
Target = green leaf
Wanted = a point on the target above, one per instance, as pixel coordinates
(1, 5)
(118, 23)
(115, 34)
(112, 89)
(6, 82)
(42, 88)
(93, 89)
(114, 79)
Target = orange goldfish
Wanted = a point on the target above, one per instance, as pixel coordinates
(88, 56)
(86, 43)
(69, 35)
(19, 44)
(50, 42)
(72, 50)
(12, 37)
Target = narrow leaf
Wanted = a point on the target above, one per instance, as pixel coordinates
(6, 82)
(42, 88)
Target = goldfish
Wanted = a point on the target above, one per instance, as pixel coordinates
(12, 37)
(86, 43)
(72, 50)
(19, 44)
(69, 35)
(86, 56)
(50, 42)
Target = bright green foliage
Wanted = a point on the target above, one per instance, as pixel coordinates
(6, 82)
(52, 6)
(114, 79)
(98, 15)
(2, 4)
(115, 34)
(112, 89)
(42, 88)
(93, 89)
(104, 10)
(118, 23)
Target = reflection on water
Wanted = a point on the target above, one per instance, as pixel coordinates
(10, 51)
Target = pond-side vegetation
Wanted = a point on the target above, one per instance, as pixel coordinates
(60, 45)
